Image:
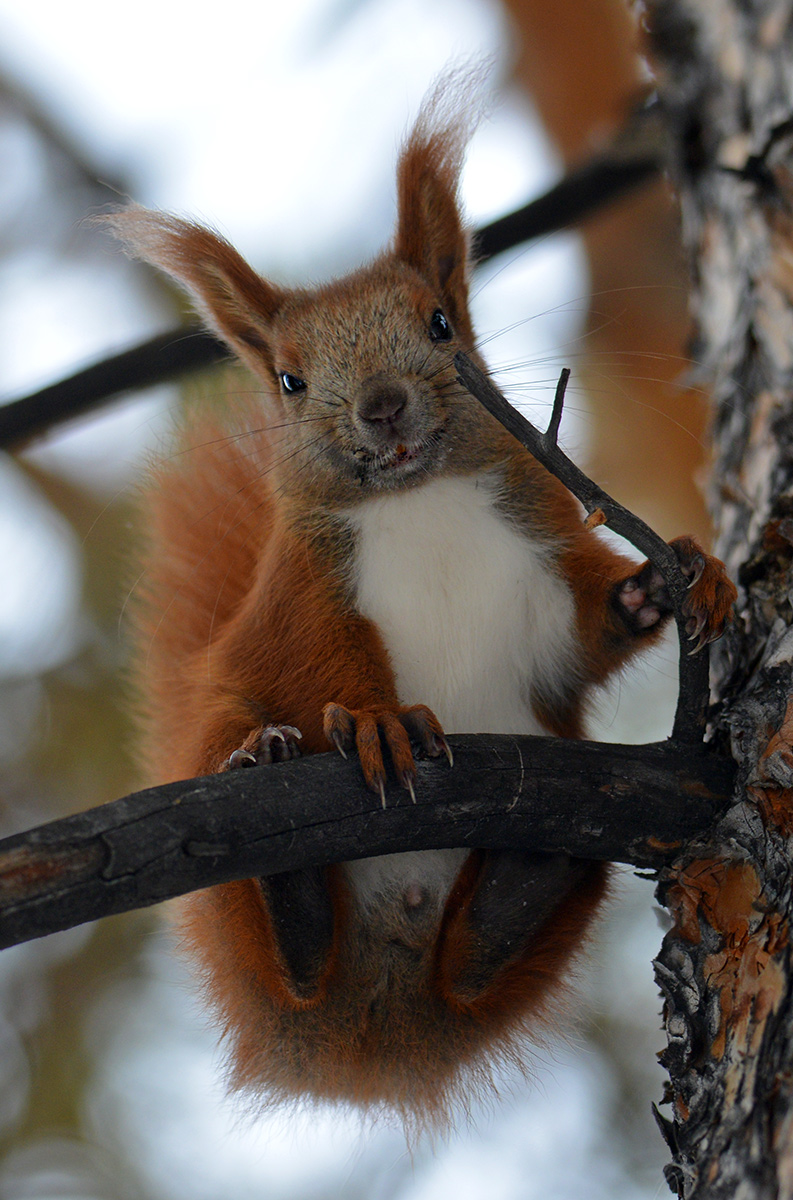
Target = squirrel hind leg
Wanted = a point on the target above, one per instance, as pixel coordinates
(496, 919)
(304, 922)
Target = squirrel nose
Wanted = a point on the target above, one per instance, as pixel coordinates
(383, 404)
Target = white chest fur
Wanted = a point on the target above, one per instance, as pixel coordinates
(471, 614)
(472, 617)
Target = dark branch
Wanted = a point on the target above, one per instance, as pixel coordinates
(161, 358)
(689, 721)
(635, 804)
(579, 195)
(179, 351)
(27, 104)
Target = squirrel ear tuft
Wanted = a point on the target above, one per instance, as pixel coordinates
(431, 236)
(233, 300)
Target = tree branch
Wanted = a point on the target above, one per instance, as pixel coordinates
(635, 155)
(163, 357)
(636, 804)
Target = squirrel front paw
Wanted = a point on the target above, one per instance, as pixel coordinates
(643, 599)
(363, 729)
(268, 744)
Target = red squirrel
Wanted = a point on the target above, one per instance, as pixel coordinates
(359, 555)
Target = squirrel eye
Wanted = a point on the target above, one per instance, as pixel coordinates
(440, 329)
(291, 383)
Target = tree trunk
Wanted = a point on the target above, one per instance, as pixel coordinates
(725, 71)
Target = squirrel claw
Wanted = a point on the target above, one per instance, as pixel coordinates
(240, 758)
(693, 569)
(268, 744)
(443, 747)
(694, 627)
(407, 781)
(700, 635)
(367, 729)
(711, 593)
(335, 737)
(643, 600)
(290, 732)
(277, 743)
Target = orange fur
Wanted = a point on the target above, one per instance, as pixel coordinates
(388, 992)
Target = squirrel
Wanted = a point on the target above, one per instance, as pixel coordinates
(359, 555)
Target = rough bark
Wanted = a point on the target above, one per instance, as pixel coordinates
(726, 79)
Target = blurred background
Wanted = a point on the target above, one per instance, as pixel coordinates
(279, 124)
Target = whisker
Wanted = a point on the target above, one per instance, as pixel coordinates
(304, 466)
(239, 436)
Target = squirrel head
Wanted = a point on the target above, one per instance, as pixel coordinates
(360, 370)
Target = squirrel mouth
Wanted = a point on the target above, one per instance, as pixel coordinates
(398, 457)
(393, 459)
(399, 463)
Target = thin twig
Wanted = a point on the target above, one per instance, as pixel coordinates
(689, 723)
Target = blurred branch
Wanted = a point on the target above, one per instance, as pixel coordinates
(19, 100)
(161, 358)
(636, 804)
(633, 156)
